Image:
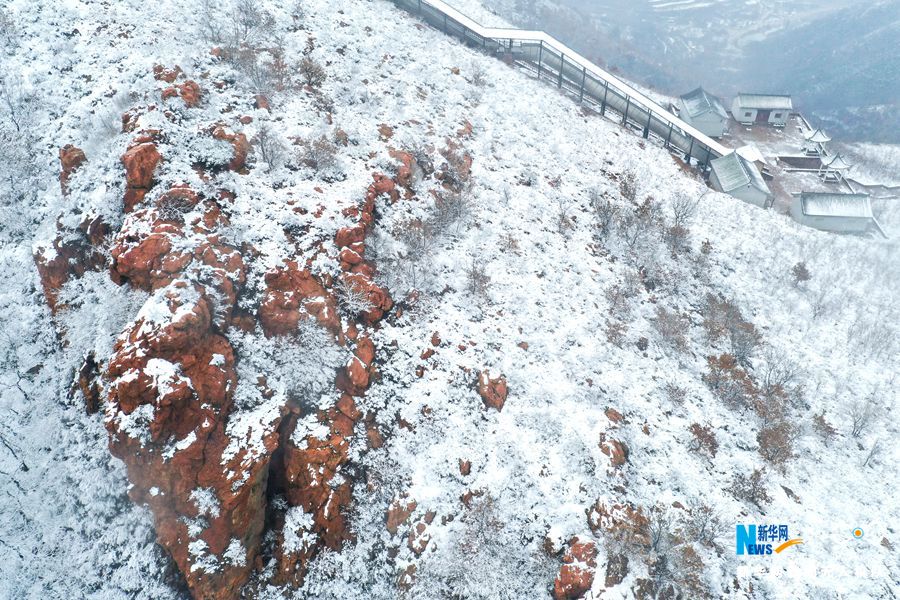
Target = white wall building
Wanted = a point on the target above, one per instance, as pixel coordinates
(762, 108)
(840, 213)
(704, 111)
(738, 177)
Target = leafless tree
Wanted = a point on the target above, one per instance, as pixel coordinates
(319, 154)
(477, 280)
(873, 453)
(352, 299)
(312, 72)
(683, 209)
(862, 414)
(628, 186)
(269, 148)
(776, 443)
(751, 488)
(605, 212)
(672, 328)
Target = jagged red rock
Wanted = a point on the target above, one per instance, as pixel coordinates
(492, 391)
(576, 576)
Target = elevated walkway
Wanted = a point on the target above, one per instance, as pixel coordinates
(554, 61)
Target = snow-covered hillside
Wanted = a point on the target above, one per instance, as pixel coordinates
(587, 358)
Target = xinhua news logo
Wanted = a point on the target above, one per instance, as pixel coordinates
(759, 540)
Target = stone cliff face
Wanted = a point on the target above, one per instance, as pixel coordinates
(169, 387)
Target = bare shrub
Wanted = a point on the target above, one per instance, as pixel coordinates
(862, 413)
(704, 440)
(683, 209)
(457, 168)
(174, 207)
(750, 488)
(723, 318)
(873, 454)
(637, 225)
(298, 14)
(776, 443)
(20, 149)
(617, 296)
(212, 27)
(351, 299)
(687, 570)
(823, 428)
(800, 274)
(605, 212)
(477, 280)
(628, 186)
(869, 336)
(615, 333)
(269, 148)
(777, 374)
(675, 394)
(672, 328)
(729, 382)
(703, 524)
(510, 244)
(250, 24)
(451, 210)
(257, 72)
(479, 77)
(563, 218)
(676, 237)
(319, 154)
(9, 32)
(312, 72)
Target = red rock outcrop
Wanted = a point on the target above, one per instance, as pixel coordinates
(160, 73)
(169, 386)
(238, 142)
(69, 255)
(492, 391)
(70, 159)
(294, 294)
(189, 92)
(171, 382)
(576, 576)
(615, 450)
(140, 161)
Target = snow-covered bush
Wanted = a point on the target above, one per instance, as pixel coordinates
(297, 369)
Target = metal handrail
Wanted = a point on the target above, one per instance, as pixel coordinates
(653, 117)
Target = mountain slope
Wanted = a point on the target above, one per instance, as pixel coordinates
(520, 238)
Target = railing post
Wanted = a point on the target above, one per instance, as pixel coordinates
(562, 61)
(708, 151)
(583, 78)
(647, 126)
(627, 106)
(605, 92)
(690, 151)
(540, 57)
(669, 136)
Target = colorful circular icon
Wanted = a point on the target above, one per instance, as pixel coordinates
(857, 533)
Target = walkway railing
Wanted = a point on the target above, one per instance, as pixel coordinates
(552, 60)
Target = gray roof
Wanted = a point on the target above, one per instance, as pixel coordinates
(818, 136)
(700, 102)
(734, 171)
(765, 101)
(838, 163)
(826, 204)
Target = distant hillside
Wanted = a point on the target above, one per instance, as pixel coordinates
(844, 67)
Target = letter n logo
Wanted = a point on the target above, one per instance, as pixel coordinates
(744, 535)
